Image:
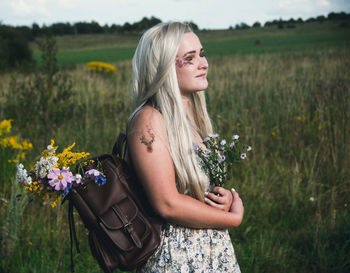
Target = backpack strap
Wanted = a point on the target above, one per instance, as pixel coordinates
(72, 234)
(119, 145)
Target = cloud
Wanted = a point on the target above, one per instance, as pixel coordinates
(66, 4)
(23, 8)
(303, 4)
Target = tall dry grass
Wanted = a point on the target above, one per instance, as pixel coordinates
(293, 109)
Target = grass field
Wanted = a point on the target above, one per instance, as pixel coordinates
(289, 98)
(112, 48)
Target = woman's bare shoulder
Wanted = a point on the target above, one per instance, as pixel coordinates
(148, 118)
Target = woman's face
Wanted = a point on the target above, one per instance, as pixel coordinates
(191, 65)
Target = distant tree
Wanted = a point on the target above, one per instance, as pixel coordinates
(95, 27)
(192, 25)
(333, 16)
(242, 26)
(257, 25)
(310, 20)
(320, 19)
(87, 28)
(14, 48)
(127, 27)
(268, 24)
(115, 28)
(61, 29)
(36, 31)
(280, 24)
(145, 23)
(26, 32)
(300, 21)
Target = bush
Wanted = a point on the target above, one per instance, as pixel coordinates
(41, 102)
(14, 48)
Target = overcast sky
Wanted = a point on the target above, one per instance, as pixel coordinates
(212, 14)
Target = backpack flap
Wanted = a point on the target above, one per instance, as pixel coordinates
(124, 225)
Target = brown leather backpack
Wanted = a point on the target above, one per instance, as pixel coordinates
(123, 230)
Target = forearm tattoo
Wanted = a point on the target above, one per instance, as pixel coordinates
(148, 141)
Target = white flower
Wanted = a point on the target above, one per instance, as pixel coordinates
(216, 135)
(243, 156)
(249, 148)
(22, 175)
(92, 173)
(51, 150)
(223, 142)
(235, 137)
(195, 147)
(312, 199)
(207, 152)
(232, 144)
(44, 166)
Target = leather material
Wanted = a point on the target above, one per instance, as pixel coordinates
(121, 234)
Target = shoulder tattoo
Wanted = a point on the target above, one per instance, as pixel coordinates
(148, 141)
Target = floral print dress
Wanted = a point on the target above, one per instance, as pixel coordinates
(189, 250)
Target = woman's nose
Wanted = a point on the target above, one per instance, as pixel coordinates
(203, 63)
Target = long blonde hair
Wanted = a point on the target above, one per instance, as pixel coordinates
(155, 82)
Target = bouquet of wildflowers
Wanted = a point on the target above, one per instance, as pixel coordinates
(51, 178)
(219, 156)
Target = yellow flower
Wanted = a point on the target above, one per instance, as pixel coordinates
(101, 66)
(51, 151)
(67, 157)
(5, 126)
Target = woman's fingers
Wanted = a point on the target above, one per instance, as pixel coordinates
(213, 204)
(214, 197)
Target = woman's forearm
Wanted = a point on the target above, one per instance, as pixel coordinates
(187, 211)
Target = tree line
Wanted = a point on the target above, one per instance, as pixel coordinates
(341, 17)
(58, 29)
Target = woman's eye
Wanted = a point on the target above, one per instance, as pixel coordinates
(189, 59)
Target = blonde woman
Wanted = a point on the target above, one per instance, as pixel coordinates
(169, 76)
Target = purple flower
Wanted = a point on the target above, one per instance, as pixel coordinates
(235, 137)
(77, 179)
(206, 139)
(195, 147)
(221, 159)
(243, 156)
(232, 144)
(97, 176)
(60, 179)
(207, 152)
(223, 142)
(92, 173)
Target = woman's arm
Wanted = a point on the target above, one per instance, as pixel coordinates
(153, 163)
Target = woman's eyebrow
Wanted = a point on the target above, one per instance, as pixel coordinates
(192, 51)
(189, 52)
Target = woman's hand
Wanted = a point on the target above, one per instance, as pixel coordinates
(219, 198)
(237, 205)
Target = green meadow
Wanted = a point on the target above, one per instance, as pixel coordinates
(288, 97)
